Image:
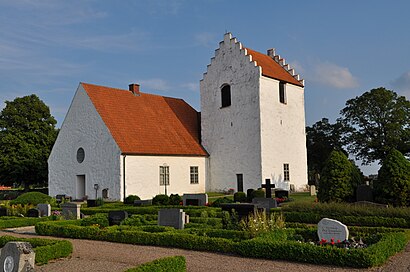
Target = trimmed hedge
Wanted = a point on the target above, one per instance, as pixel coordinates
(45, 249)
(377, 253)
(168, 264)
(32, 198)
(15, 222)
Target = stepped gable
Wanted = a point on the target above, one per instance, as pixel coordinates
(146, 124)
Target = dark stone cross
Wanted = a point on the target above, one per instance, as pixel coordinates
(268, 188)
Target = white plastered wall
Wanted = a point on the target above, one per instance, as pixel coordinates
(83, 127)
(231, 135)
(142, 175)
(283, 135)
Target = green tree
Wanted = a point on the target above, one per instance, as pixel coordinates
(27, 134)
(376, 122)
(321, 139)
(393, 181)
(336, 180)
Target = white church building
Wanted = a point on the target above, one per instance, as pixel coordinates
(114, 142)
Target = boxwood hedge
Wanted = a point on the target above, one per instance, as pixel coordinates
(168, 264)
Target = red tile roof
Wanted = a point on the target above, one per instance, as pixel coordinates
(148, 124)
(272, 69)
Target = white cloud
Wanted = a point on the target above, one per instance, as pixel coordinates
(157, 84)
(192, 86)
(332, 75)
(402, 84)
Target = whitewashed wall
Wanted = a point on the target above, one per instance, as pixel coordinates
(231, 135)
(83, 127)
(142, 175)
(283, 134)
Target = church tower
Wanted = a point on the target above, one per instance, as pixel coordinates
(252, 120)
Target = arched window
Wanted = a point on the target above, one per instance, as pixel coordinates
(226, 95)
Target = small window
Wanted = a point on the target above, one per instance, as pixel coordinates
(80, 155)
(282, 92)
(194, 174)
(226, 95)
(286, 172)
(164, 175)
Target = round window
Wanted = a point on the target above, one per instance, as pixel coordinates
(80, 155)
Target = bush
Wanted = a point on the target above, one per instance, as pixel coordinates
(100, 219)
(33, 198)
(175, 199)
(168, 264)
(161, 200)
(258, 193)
(131, 199)
(15, 222)
(134, 220)
(45, 249)
(219, 201)
(239, 197)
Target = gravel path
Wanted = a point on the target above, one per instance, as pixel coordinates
(102, 256)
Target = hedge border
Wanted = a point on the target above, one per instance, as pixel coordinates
(167, 264)
(45, 249)
(376, 254)
(21, 222)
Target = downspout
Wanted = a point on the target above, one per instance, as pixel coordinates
(123, 174)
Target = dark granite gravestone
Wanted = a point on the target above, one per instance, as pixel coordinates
(33, 213)
(59, 198)
(364, 193)
(281, 193)
(115, 217)
(3, 211)
(142, 202)
(242, 209)
(192, 202)
(194, 199)
(249, 194)
(268, 188)
(91, 203)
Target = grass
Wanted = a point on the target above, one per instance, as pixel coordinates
(212, 196)
(302, 197)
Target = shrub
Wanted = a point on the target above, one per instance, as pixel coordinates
(131, 199)
(258, 223)
(161, 200)
(219, 201)
(239, 197)
(134, 220)
(230, 221)
(168, 264)
(175, 199)
(33, 198)
(100, 219)
(14, 222)
(257, 193)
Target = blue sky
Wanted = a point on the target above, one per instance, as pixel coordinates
(340, 48)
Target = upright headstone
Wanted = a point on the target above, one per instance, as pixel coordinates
(312, 190)
(141, 202)
(71, 210)
(45, 209)
(330, 228)
(268, 188)
(17, 257)
(172, 218)
(242, 209)
(60, 198)
(33, 213)
(116, 217)
(265, 203)
(281, 193)
(194, 199)
(3, 211)
(364, 193)
(249, 194)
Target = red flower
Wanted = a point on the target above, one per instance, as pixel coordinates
(338, 241)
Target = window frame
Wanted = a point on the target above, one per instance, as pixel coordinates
(194, 174)
(286, 172)
(163, 175)
(282, 92)
(226, 96)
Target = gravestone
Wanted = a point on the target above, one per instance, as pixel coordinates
(312, 190)
(3, 211)
(172, 218)
(91, 203)
(330, 228)
(242, 209)
(115, 217)
(364, 193)
(17, 257)
(33, 213)
(268, 188)
(59, 198)
(194, 199)
(71, 210)
(141, 202)
(249, 194)
(265, 203)
(45, 209)
(281, 193)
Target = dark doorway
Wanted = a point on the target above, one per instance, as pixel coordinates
(239, 180)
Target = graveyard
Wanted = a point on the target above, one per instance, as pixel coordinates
(302, 230)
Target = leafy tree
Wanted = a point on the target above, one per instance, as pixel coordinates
(393, 182)
(376, 122)
(321, 139)
(27, 134)
(336, 180)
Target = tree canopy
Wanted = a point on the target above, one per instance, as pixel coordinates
(27, 134)
(375, 123)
